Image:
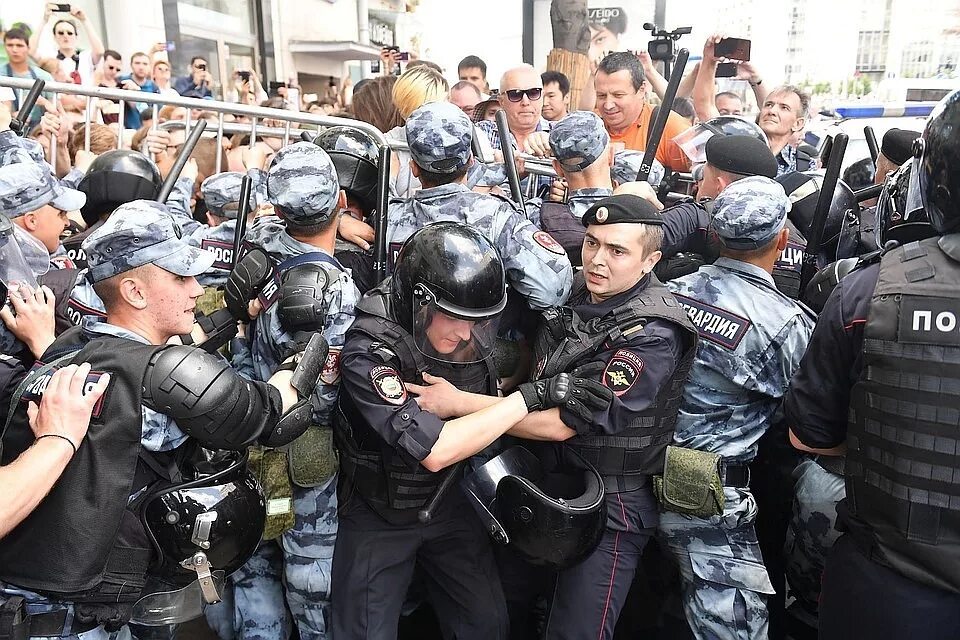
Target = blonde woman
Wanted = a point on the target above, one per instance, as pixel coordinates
(417, 86)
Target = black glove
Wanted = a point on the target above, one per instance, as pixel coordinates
(246, 281)
(581, 396)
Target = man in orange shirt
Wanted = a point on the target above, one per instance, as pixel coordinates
(622, 104)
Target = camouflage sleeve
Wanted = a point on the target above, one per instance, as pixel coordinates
(341, 301)
(531, 207)
(537, 266)
(241, 358)
(72, 179)
(179, 205)
(159, 432)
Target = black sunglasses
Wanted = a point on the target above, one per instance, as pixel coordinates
(200, 67)
(66, 33)
(516, 95)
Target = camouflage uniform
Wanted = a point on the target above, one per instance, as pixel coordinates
(811, 533)
(144, 235)
(752, 339)
(439, 138)
(26, 186)
(626, 166)
(302, 185)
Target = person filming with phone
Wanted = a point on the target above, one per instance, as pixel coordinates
(197, 83)
(65, 21)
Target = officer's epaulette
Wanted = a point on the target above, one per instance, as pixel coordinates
(516, 207)
(382, 352)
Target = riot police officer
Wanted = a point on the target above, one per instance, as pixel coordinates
(873, 385)
(81, 558)
(439, 136)
(433, 322)
(751, 339)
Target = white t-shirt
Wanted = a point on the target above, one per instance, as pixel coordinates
(84, 66)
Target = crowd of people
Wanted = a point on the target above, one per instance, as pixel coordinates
(601, 410)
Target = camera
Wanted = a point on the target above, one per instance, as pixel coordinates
(663, 46)
(244, 75)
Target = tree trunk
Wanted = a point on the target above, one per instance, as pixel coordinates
(571, 41)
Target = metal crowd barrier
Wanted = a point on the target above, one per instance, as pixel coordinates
(255, 113)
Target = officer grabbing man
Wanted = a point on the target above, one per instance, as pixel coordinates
(622, 324)
(875, 385)
(429, 331)
(751, 339)
(81, 558)
(291, 271)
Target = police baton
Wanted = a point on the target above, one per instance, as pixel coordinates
(246, 187)
(872, 143)
(827, 187)
(383, 200)
(656, 133)
(181, 161)
(506, 148)
(306, 137)
(868, 193)
(425, 515)
(19, 124)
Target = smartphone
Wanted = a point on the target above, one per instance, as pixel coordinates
(62, 8)
(244, 75)
(726, 70)
(404, 56)
(169, 46)
(733, 48)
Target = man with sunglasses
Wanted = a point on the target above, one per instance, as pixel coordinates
(197, 84)
(521, 98)
(77, 64)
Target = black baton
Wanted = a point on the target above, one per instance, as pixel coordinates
(827, 187)
(506, 148)
(425, 515)
(868, 193)
(181, 161)
(19, 124)
(383, 201)
(871, 143)
(246, 186)
(656, 133)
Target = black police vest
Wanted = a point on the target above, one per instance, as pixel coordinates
(392, 487)
(84, 543)
(62, 282)
(787, 268)
(903, 436)
(73, 245)
(557, 220)
(566, 341)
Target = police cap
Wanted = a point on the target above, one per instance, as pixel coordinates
(750, 212)
(742, 155)
(624, 207)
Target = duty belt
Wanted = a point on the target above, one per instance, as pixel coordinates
(834, 464)
(16, 624)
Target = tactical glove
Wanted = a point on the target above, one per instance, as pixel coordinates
(581, 396)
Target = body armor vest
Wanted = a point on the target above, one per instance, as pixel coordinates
(557, 220)
(73, 245)
(903, 437)
(84, 542)
(787, 268)
(390, 485)
(62, 282)
(566, 341)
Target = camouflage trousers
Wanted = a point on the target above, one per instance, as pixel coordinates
(725, 584)
(811, 533)
(253, 606)
(288, 579)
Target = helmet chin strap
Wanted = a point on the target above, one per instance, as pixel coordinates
(199, 562)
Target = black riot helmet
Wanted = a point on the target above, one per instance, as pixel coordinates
(202, 529)
(449, 276)
(355, 154)
(803, 189)
(937, 160)
(693, 141)
(901, 216)
(115, 178)
(551, 511)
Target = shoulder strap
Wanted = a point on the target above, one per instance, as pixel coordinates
(304, 258)
(25, 383)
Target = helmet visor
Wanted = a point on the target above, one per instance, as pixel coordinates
(453, 334)
(915, 189)
(693, 141)
(22, 257)
(174, 607)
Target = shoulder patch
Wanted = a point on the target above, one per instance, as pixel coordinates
(388, 385)
(546, 241)
(331, 368)
(622, 371)
(63, 262)
(222, 252)
(791, 258)
(39, 381)
(715, 324)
